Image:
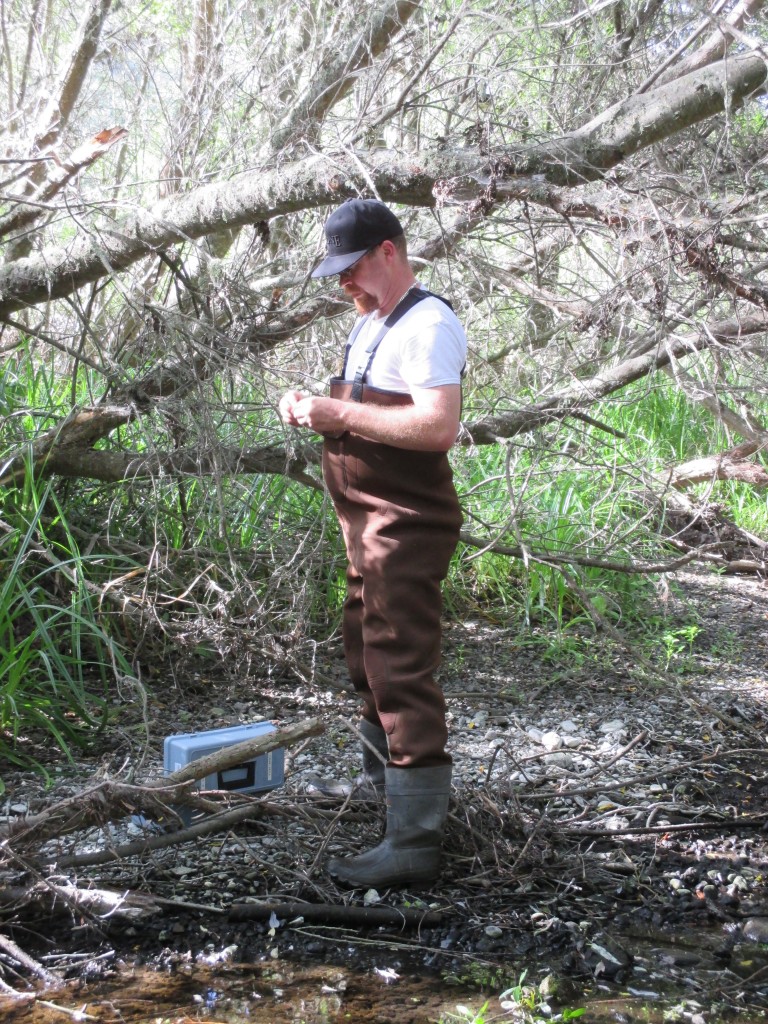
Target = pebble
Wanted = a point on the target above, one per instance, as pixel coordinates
(616, 823)
(560, 759)
(494, 733)
(551, 741)
(604, 803)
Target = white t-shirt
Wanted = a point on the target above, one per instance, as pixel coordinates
(426, 348)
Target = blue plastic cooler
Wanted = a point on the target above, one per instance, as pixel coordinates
(264, 772)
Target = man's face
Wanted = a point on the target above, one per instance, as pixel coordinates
(361, 282)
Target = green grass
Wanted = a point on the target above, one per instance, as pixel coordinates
(527, 1003)
(575, 488)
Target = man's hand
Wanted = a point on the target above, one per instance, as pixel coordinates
(287, 405)
(323, 415)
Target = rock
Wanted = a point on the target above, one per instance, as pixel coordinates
(494, 733)
(548, 987)
(616, 823)
(755, 929)
(615, 725)
(569, 727)
(607, 957)
(493, 931)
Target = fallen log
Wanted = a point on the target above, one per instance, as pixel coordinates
(731, 465)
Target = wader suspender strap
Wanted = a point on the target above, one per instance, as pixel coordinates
(407, 302)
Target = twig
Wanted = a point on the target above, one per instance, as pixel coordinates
(74, 1014)
(618, 784)
(618, 755)
(230, 757)
(696, 826)
(7, 990)
(334, 913)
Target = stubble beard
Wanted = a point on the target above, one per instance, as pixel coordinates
(364, 302)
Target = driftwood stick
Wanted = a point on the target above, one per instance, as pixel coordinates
(106, 903)
(334, 913)
(25, 960)
(229, 757)
(109, 801)
(77, 1015)
(70, 898)
(214, 823)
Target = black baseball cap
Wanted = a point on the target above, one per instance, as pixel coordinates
(358, 226)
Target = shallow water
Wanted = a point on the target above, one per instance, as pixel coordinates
(283, 993)
(277, 993)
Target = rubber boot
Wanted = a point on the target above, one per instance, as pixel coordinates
(417, 806)
(369, 785)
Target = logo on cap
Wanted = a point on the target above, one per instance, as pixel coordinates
(334, 240)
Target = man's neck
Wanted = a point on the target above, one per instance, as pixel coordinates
(395, 294)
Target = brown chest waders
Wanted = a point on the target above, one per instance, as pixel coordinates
(400, 517)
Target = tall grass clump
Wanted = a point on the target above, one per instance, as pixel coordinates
(57, 660)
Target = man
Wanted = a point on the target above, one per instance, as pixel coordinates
(388, 423)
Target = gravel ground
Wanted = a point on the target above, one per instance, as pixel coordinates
(608, 828)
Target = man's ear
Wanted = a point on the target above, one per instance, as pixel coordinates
(389, 249)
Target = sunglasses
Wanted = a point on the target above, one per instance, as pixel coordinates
(351, 267)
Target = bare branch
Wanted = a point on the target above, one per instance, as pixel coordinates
(731, 465)
(30, 207)
(584, 155)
